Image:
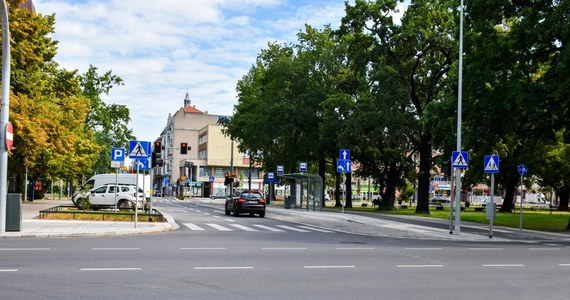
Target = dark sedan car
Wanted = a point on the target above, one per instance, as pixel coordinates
(246, 202)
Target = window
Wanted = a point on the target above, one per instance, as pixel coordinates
(100, 190)
(112, 189)
(205, 171)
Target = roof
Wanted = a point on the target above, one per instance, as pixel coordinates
(192, 109)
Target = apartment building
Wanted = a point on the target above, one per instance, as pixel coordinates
(197, 155)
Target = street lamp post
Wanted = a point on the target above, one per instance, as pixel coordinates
(4, 117)
(459, 108)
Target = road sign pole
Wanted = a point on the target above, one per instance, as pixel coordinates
(491, 206)
(451, 197)
(520, 221)
(137, 197)
(4, 116)
(116, 186)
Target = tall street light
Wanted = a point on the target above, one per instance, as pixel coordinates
(4, 114)
(459, 100)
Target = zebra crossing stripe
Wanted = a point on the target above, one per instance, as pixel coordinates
(219, 227)
(315, 229)
(243, 227)
(268, 228)
(292, 228)
(193, 226)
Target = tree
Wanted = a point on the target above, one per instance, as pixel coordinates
(418, 54)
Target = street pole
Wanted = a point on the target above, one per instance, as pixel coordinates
(4, 117)
(491, 206)
(459, 108)
(451, 198)
(137, 196)
(520, 221)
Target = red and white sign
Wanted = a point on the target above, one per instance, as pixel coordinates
(9, 136)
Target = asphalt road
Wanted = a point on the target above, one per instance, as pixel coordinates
(264, 258)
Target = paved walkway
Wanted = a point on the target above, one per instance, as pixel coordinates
(407, 227)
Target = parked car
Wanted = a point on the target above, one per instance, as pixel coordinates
(440, 200)
(124, 195)
(245, 202)
(218, 196)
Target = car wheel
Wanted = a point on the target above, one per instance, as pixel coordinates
(123, 204)
(262, 214)
(236, 213)
(251, 214)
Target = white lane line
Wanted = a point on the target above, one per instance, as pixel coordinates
(223, 268)
(243, 227)
(354, 248)
(192, 226)
(564, 265)
(277, 248)
(115, 248)
(424, 249)
(292, 228)
(543, 249)
(487, 249)
(207, 214)
(504, 265)
(8, 270)
(219, 227)
(217, 217)
(328, 267)
(551, 245)
(24, 249)
(268, 228)
(315, 229)
(419, 266)
(203, 248)
(110, 269)
(230, 220)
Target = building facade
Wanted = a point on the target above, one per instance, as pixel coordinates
(200, 170)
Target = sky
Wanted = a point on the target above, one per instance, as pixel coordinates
(165, 49)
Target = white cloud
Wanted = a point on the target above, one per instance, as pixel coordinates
(161, 49)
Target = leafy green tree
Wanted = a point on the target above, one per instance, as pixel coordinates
(108, 121)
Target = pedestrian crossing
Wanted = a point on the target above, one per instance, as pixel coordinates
(253, 228)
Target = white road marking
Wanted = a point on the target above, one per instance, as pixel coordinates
(504, 265)
(283, 248)
(8, 270)
(230, 220)
(268, 228)
(243, 227)
(292, 228)
(24, 249)
(424, 249)
(203, 248)
(315, 229)
(487, 249)
(207, 214)
(419, 266)
(111, 269)
(219, 227)
(328, 267)
(192, 226)
(543, 249)
(115, 248)
(347, 248)
(222, 268)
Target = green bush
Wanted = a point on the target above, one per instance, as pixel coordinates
(83, 204)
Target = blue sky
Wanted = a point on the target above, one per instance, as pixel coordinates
(162, 49)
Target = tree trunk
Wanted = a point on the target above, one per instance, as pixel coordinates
(508, 202)
(424, 174)
(322, 173)
(563, 195)
(390, 195)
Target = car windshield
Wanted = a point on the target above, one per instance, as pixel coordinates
(254, 196)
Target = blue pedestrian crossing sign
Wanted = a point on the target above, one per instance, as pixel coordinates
(139, 149)
(211, 178)
(491, 164)
(523, 170)
(142, 164)
(344, 166)
(460, 159)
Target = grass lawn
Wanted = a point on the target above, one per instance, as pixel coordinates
(541, 220)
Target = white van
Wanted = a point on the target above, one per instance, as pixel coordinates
(103, 179)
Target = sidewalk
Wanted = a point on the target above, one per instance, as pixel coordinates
(35, 228)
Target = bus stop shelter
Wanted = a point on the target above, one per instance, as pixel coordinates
(306, 191)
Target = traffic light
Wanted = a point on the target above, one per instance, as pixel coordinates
(153, 159)
(228, 179)
(157, 146)
(183, 148)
